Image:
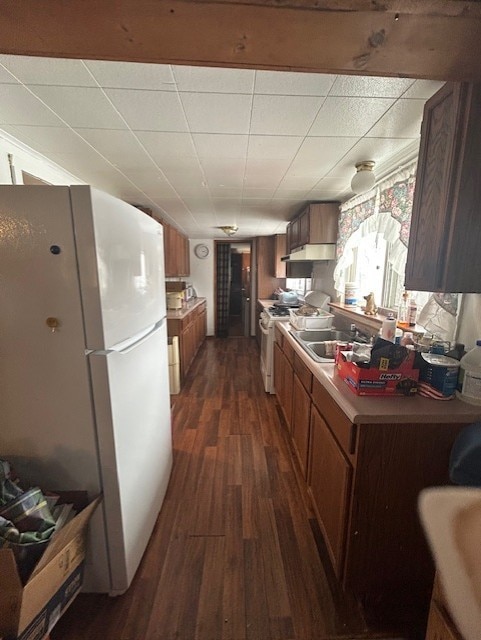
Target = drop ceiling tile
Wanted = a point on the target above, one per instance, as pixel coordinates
(220, 192)
(210, 145)
(132, 75)
(186, 179)
(174, 207)
(165, 145)
(403, 120)
(269, 166)
(287, 83)
(423, 89)
(119, 147)
(149, 110)
(283, 115)
(317, 155)
(217, 80)
(298, 182)
(82, 161)
(218, 169)
(225, 180)
(198, 204)
(349, 116)
(178, 165)
(19, 106)
(146, 177)
(217, 113)
(369, 87)
(291, 194)
(253, 203)
(48, 71)
(273, 146)
(5, 76)
(80, 106)
(255, 181)
(258, 193)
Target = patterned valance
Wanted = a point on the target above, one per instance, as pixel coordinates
(385, 210)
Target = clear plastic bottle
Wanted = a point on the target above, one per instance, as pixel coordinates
(412, 313)
(402, 313)
(470, 373)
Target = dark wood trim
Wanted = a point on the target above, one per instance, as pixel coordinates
(420, 39)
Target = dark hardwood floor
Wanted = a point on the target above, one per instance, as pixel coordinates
(236, 552)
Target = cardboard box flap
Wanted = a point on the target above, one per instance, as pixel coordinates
(10, 588)
(60, 539)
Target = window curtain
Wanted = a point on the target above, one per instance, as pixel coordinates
(223, 289)
(386, 210)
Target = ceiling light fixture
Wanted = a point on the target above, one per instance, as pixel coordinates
(229, 229)
(364, 179)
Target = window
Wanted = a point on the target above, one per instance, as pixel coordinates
(299, 285)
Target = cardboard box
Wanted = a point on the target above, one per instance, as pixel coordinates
(28, 612)
(401, 381)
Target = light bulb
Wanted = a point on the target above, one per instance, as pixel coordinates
(364, 180)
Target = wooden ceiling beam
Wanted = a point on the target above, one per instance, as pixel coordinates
(437, 39)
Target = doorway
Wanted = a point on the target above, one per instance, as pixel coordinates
(232, 288)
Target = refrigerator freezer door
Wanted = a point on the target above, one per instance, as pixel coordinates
(132, 409)
(121, 265)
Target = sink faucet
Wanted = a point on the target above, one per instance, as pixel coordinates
(362, 336)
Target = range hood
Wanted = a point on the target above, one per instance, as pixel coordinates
(311, 253)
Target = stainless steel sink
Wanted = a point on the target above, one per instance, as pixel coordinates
(314, 342)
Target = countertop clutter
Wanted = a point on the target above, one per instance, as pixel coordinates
(188, 307)
(359, 410)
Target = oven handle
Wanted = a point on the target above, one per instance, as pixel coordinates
(264, 331)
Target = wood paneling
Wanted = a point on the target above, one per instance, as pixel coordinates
(301, 416)
(426, 39)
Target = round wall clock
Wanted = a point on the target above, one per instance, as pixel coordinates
(201, 250)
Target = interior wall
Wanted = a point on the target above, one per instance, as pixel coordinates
(25, 159)
(202, 278)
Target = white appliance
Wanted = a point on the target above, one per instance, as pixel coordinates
(268, 318)
(83, 362)
(267, 321)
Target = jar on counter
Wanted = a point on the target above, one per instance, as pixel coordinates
(350, 294)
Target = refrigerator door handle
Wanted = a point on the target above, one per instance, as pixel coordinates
(127, 346)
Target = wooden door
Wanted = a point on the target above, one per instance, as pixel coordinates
(329, 480)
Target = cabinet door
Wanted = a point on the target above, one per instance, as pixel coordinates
(304, 227)
(279, 270)
(428, 222)
(330, 484)
(301, 413)
(445, 232)
(287, 389)
(279, 374)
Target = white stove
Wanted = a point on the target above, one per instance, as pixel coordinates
(267, 321)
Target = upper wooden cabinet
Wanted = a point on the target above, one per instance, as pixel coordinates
(316, 224)
(279, 267)
(445, 237)
(176, 252)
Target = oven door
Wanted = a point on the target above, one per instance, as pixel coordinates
(267, 351)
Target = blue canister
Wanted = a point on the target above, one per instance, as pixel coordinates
(440, 372)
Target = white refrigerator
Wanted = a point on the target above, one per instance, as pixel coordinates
(83, 362)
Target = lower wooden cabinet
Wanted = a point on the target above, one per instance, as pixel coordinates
(191, 330)
(364, 480)
(329, 482)
(301, 414)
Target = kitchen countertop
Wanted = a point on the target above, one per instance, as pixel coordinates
(180, 314)
(378, 409)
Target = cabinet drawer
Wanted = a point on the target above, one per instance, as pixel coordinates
(289, 351)
(344, 431)
(303, 373)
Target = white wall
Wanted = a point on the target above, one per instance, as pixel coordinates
(24, 159)
(202, 278)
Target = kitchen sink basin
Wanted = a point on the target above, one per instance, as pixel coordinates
(314, 342)
(321, 335)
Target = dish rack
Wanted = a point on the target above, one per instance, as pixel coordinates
(321, 321)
